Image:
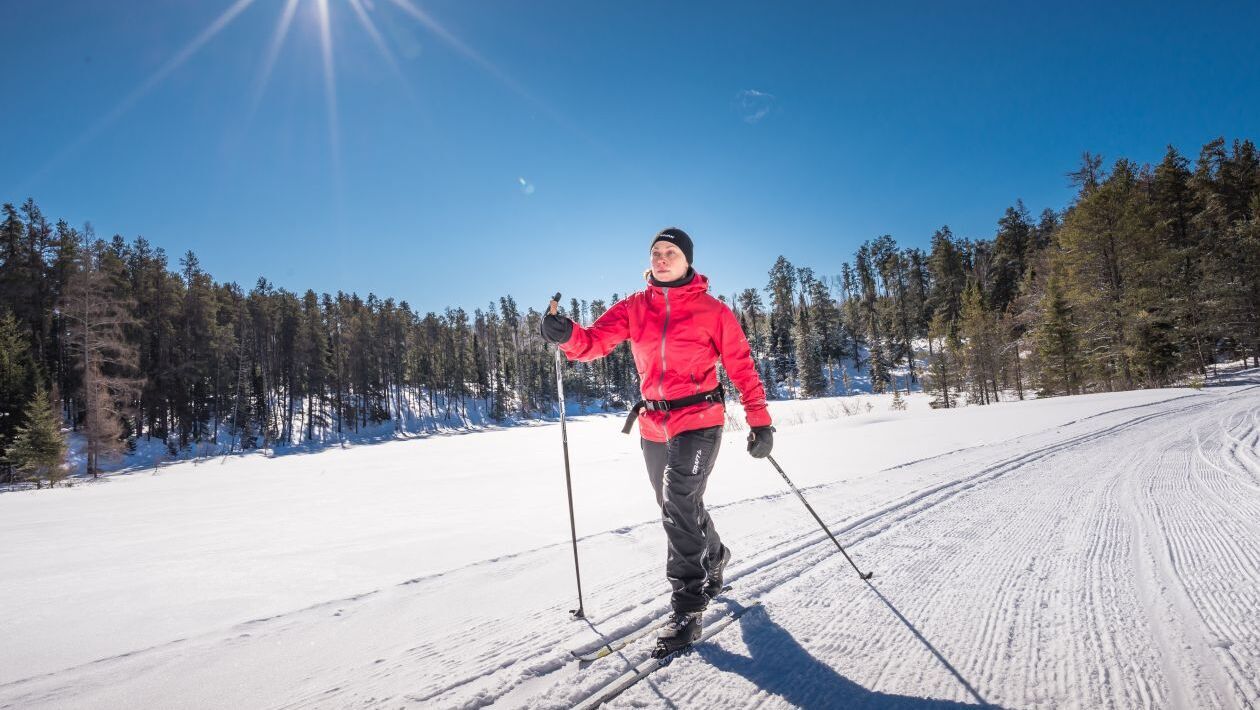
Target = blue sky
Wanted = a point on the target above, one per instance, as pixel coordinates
(487, 148)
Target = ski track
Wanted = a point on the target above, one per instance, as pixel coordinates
(781, 563)
(1128, 577)
(1093, 529)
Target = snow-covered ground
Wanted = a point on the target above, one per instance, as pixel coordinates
(1084, 552)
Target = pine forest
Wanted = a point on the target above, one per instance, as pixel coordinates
(1151, 276)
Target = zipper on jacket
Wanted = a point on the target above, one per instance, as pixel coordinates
(661, 386)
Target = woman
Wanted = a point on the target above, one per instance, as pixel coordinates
(677, 333)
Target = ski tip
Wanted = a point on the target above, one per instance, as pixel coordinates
(604, 650)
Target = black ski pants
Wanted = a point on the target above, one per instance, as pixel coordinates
(679, 471)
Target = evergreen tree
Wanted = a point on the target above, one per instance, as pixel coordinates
(943, 376)
(894, 310)
(39, 448)
(313, 364)
(808, 355)
(851, 314)
(826, 326)
(1010, 249)
(1101, 241)
(1057, 343)
(193, 355)
(20, 271)
(898, 402)
(917, 294)
(979, 352)
(782, 290)
(18, 382)
(753, 320)
(1019, 356)
(1228, 185)
(1044, 233)
(949, 276)
(288, 356)
(1180, 258)
(153, 334)
(869, 315)
(67, 245)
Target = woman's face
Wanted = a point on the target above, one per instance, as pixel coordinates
(668, 262)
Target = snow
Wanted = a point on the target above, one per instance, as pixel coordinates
(410, 417)
(1078, 552)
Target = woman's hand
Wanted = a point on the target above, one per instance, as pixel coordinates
(555, 327)
(760, 441)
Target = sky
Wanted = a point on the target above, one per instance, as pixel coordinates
(447, 153)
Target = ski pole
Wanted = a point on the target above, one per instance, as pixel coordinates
(577, 613)
(810, 508)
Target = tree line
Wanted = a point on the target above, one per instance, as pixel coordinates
(1150, 275)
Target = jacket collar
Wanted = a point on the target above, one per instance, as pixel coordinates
(681, 281)
(698, 284)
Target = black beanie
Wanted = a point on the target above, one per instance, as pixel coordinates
(678, 238)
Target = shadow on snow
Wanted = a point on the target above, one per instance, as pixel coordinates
(780, 666)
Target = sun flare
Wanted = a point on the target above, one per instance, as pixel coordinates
(327, 14)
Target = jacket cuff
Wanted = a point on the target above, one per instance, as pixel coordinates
(757, 417)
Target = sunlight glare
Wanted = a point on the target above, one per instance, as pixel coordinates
(377, 39)
(421, 16)
(139, 92)
(330, 82)
(273, 52)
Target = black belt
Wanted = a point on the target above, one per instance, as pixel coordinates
(717, 395)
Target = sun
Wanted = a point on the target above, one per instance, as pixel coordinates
(324, 14)
(362, 11)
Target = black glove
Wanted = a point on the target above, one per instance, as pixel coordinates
(557, 329)
(760, 441)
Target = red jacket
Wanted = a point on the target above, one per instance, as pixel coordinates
(677, 335)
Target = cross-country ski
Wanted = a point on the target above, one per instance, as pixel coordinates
(654, 662)
(614, 645)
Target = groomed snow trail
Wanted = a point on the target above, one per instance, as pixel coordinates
(1111, 562)
(1115, 569)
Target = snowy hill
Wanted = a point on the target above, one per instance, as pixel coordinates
(1083, 552)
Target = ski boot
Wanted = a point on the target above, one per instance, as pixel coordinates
(680, 630)
(713, 586)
